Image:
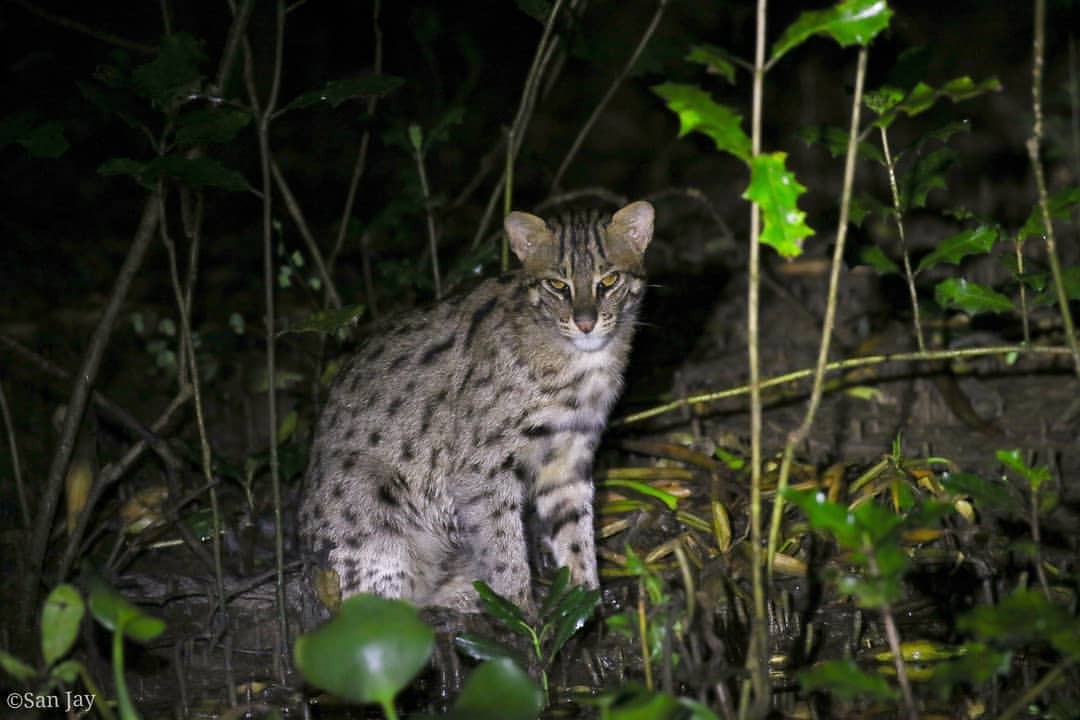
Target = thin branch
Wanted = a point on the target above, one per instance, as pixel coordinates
(848, 364)
(332, 296)
(76, 405)
(79, 27)
(899, 218)
(433, 240)
(1033, 146)
(16, 465)
(587, 127)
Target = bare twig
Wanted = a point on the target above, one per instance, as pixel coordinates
(544, 51)
(899, 218)
(425, 189)
(758, 651)
(1033, 145)
(892, 636)
(76, 405)
(16, 465)
(79, 27)
(332, 296)
(587, 127)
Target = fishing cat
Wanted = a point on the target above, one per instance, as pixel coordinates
(439, 434)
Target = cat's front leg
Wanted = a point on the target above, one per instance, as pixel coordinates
(564, 503)
(491, 520)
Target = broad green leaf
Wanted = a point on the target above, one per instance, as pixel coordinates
(60, 619)
(922, 97)
(502, 609)
(571, 614)
(870, 593)
(555, 593)
(845, 680)
(326, 322)
(1060, 205)
(117, 614)
(883, 99)
(15, 667)
(41, 141)
(173, 71)
(854, 22)
(714, 59)
(827, 516)
(952, 250)
(1022, 618)
(498, 690)
(876, 521)
(636, 703)
(976, 664)
(337, 92)
(698, 711)
(1070, 278)
(991, 495)
(368, 652)
(193, 172)
(67, 671)
(482, 648)
(970, 297)
(927, 173)
(211, 125)
(698, 111)
(776, 191)
(1035, 476)
(876, 258)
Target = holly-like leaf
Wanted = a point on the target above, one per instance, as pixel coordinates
(337, 92)
(928, 173)
(776, 191)
(481, 648)
(1060, 205)
(714, 59)
(1035, 476)
(211, 125)
(193, 172)
(876, 258)
(698, 111)
(970, 297)
(922, 97)
(172, 72)
(576, 607)
(854, 22)
(952, 250)
(826, 515)
(502, 609)
(41, 140)
(835, 140)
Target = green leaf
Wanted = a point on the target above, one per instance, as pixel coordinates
(922, 97)
(212, 125)
(536, 9)
(368, 652)
(669, 500)
(698, 711)
(502, 609)
(572, 613)
(337, 92)
(992, 495)
(1070, 278)
(637, 703)
(498, 690)
(1022, 618)
(826, 515)
(977, 664)
(115, 613)
(970, 297)
(15, 667)
(193, 172)
(60, 619)
(954, 249)
(67, 671)
(416, 137)
(876, 258)
(559, 585)
(928, 173)
(698, 111)
(326, 322)
(714, 59)
(854, 22)
(481, 648)
(844, 679)
(174, 71)
(1060, 205)
(776, 191)
(1035, 476)
(835, 140)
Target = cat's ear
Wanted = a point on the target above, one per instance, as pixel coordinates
(527, 233)
(634, 225)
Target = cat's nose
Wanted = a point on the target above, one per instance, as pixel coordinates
(585, 324)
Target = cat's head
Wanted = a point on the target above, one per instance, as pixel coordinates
(585, 270)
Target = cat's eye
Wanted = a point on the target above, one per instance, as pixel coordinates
(609, 280)
(556, 285)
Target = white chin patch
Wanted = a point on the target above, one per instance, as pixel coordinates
(589, 343)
